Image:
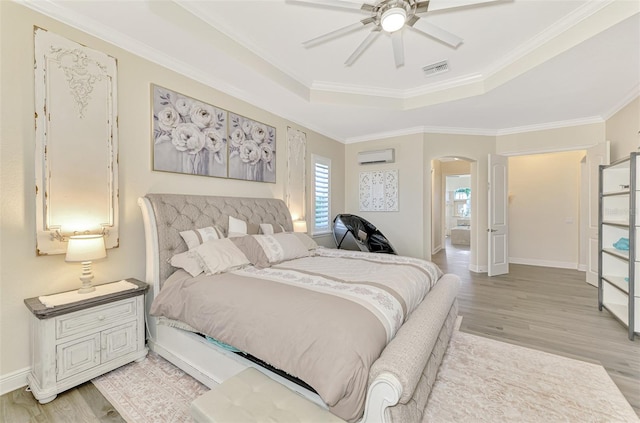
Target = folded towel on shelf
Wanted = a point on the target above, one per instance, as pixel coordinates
(622, 244)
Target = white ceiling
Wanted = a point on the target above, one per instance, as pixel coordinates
(524, 64)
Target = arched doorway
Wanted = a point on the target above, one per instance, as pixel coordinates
(453, 208)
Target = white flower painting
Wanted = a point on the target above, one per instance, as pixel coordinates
(189, 136)
(252, 150)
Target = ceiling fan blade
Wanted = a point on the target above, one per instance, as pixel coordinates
(338, 32)
(340, 4)
(363, 46)
(422, 25)
(450, 4)
(398, 48)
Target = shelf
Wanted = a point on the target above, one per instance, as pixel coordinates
(619, 199)
(618, 282)
(620, 223)
(620, 311)
(618, 253)
(615, 193)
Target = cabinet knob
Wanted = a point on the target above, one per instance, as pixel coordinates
(101, 317)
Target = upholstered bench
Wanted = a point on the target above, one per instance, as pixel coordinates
(251, 396)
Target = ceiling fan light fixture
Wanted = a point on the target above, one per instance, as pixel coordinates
(393, 19)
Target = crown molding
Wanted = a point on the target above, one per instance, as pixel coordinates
(98, 30)
(422, 130)
(550, 125)
(473, 131)
(624, 102)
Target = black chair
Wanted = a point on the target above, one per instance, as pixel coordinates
(352, 232)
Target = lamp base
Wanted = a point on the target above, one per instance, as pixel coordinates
(86, 290)
(86, 277)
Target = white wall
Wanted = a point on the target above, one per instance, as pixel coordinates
(22, 273)
(544, 193)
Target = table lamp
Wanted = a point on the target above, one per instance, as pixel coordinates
(300, 226)
(84, 249)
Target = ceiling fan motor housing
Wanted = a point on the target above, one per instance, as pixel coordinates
(391, 15)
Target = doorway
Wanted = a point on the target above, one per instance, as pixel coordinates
(452, 211)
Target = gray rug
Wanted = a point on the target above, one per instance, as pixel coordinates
(480, 380)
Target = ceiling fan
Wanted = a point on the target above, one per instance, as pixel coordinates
(391, 16)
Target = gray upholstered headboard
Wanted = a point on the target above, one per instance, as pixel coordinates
(177, 212)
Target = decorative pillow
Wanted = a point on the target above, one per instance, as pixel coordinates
(306, 240)
(196, 237)
(265, 250)
(238, 227)
(220, 255)
(269, 229)
(252, 250)
(188, 261)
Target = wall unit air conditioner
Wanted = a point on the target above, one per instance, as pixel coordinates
(377, 156)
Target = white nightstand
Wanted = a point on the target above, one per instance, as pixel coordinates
(73, 343)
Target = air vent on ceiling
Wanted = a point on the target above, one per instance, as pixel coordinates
(435, 68)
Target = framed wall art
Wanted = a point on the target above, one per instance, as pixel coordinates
(296, 172)
(378, 191)
(76, 152)
(252, 150)
(189, 135)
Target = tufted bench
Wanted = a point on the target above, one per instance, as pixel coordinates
(251, 396)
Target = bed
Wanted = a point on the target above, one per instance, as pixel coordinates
(393, 366)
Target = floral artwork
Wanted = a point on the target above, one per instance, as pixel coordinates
(189, 136)
(252, 150)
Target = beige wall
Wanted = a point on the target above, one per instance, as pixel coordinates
(623, 130)
(22, 273)
(544, 193)
(404, 227)
(437, 206)
(551, 140)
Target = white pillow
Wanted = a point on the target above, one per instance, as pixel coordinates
(238, 227)
(220, 255)
(196, 237)
(269, 229)
(188, 261)
(281, 247)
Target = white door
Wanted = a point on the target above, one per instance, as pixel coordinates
(498, 213)
(596, 156)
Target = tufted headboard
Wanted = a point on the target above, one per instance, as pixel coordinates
(173, 213)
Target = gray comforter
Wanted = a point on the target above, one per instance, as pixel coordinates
(322, 319)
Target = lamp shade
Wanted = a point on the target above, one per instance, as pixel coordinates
(300, 226)
(85, 248)
(393, 19)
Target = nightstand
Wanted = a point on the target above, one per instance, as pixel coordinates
(75, 342)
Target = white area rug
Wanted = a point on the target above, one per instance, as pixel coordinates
(480, 380)
(151, 391)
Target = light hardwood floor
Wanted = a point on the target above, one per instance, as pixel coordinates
(551, 310)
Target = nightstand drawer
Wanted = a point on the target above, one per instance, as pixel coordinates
(89, 319)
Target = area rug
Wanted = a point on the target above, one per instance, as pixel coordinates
(480, 380)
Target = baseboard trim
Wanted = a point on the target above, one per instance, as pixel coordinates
(544, 263)
(478, 268)
(14, 380)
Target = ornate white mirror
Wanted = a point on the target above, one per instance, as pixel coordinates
(76, 143)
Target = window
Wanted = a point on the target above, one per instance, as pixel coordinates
(321, 195)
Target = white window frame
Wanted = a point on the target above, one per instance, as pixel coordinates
(323, 161)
